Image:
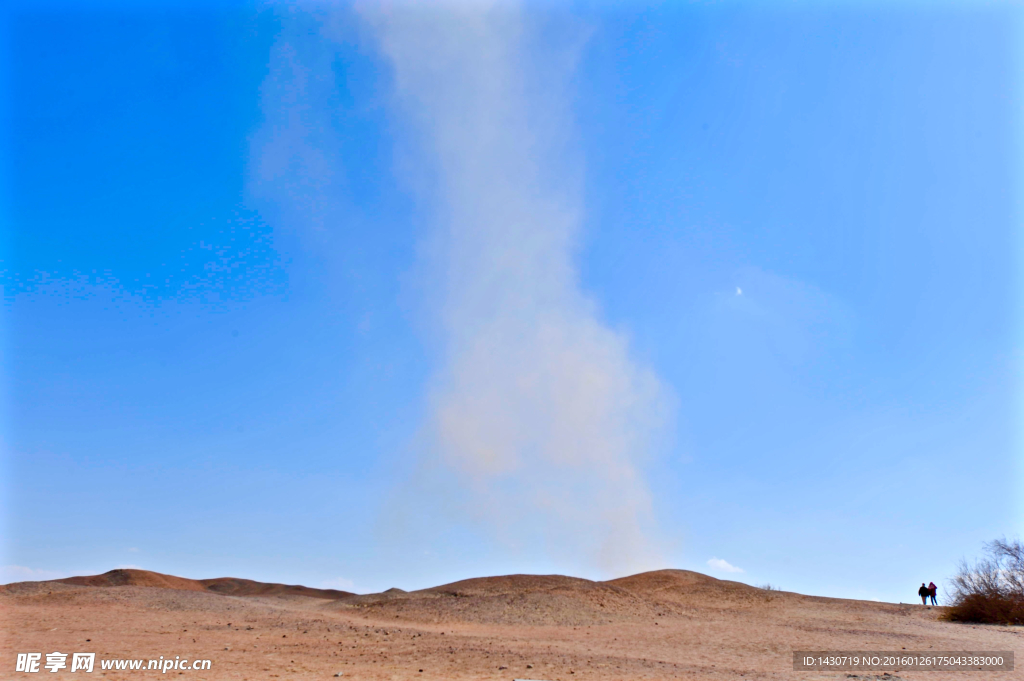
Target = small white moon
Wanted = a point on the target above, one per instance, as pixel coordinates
(739, 291)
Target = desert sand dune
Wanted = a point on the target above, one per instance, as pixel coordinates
(669, 624)
(231, 586)
(136, 578)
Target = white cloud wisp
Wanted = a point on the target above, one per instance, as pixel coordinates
(723, 566)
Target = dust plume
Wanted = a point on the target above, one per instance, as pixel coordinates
(539, 421)
(538, 410)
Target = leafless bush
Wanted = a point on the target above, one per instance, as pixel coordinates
(991, 590)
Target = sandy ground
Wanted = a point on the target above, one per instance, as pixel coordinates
(661, 625)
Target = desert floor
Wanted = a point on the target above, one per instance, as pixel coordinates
(660, 625)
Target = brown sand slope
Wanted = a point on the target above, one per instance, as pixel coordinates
(233, 586)
(135, 578)
(558, 600)
(682, 589)
(230, 586)
(509, 600)
(662, 625)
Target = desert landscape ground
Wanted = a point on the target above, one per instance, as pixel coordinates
(669, 624)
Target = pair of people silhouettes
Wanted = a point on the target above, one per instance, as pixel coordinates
(926, 592)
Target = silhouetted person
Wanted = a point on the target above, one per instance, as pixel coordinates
(932, 592)
(923, 593)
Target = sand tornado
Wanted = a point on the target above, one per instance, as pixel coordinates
(538, 410)
(539, 421)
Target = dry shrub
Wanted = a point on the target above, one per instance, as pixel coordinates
(992, 590)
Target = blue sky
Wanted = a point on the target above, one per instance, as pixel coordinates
(366, 299)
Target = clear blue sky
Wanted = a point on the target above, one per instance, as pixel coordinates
(236, 323)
